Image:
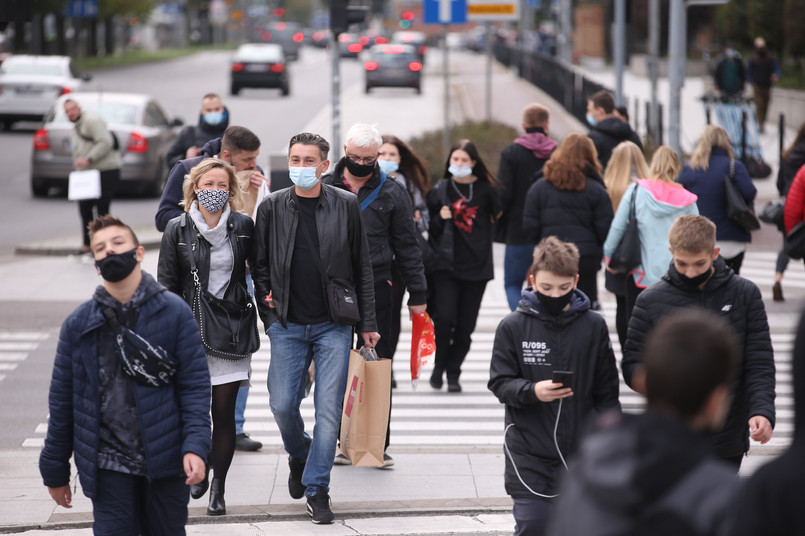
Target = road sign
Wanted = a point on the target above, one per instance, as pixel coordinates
(82, 9)
(445, 11)
(492, 10)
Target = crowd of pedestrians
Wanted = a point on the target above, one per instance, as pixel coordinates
(694, 336)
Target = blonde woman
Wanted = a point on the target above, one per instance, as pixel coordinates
(704, 176)
(221, 243)
(658, 202)
(625, 166)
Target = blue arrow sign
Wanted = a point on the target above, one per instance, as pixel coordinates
(87, 9)
(445, 11)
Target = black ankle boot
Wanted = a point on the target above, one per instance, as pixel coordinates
(217, 506)
(197, 491)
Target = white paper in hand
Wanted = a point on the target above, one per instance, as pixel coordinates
(84, 184)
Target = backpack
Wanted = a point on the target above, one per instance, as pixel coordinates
(115, 142)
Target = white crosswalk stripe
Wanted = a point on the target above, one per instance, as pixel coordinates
(424, 418)
(15, 347)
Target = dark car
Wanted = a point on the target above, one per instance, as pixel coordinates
(320, 38)
(260, 65)
(393, 66)
(418, 40)
(288, 35)
(139, 124)
(349, 45)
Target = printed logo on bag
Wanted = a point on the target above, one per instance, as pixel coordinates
(535, 353)
(348, 299)
(351, 400)
(726, 308)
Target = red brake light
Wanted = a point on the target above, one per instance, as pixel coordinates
(279, 26)
(423, 49)
(277, 68)
(391, 49)
(65, 90)
(318, 36)
(380, 40)
(41, 142)
(266, 36)
(298, 37)
(237, 67)
(370, 65)
(363, 40)
(137, 143)
(415, 66)
(354, 48)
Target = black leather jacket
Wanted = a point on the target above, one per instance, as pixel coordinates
(343, 250)
(173, 269)
(390, 232)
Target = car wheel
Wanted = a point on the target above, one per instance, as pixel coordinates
(7, 124)
(285, 90)
(38, 188)
(234, 90)
(418, 89)
(368, 88)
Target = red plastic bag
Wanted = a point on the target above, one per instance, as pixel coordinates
(423, 344)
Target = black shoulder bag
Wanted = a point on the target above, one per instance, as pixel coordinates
(439, 254)
(148, 364)
(627, 255)
(340, 294)
(228, 330)
(737, 208)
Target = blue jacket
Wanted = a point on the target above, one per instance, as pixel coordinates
(657, 205)
(709, 188)
(174, 419)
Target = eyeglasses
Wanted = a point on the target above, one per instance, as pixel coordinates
(364, 161)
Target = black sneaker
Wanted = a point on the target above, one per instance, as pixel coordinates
(295, 486)
(318, 507)
(245, 443)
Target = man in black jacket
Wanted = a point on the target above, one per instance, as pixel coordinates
(655, 473)
(552, 330)
(520, 162)
(699, 278)
(213, 119)
(606, 130)
(386, 210)
(304, 236)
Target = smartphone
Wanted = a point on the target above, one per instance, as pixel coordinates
(565, 377)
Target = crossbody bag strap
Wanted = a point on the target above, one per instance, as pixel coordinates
(633, 207)
(732, 169)
(373, 195)
(188, 233)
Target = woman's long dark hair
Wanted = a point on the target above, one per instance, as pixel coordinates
(411, 167)
(479, 170)
(800, 139)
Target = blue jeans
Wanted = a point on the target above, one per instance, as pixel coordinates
(516, 262)
(292, 349)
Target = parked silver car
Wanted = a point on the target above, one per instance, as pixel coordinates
(143, 131)
(30, 84)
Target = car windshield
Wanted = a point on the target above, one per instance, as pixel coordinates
(395, 58)
(258, 54)
(35, 69)
(111, 112)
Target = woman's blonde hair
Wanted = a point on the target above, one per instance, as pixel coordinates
(713, 136)
(664, 164)
(565, 168)
(626, 161)
(198, 171)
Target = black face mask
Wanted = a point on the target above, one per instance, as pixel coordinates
(699, 279)
(553, 306)
(117, 266)
(359, 170)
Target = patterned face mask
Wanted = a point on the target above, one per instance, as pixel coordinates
(213, 200)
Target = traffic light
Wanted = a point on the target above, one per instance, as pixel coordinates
(342, 15)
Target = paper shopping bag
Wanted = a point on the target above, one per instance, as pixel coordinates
(85, 184)
(365, 414)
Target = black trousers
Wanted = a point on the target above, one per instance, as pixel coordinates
(735, 262)
(588, 272)
(128, 505)
(89, 209)
(625, 305)
(456, 305)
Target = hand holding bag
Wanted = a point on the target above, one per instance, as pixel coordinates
(773, 213)
(228, 330)
(737, 209)
(627, 255)
(365, 412)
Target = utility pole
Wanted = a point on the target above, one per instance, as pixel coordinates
(677, 35)
(654, 67)
(566, 26)
(619, 39)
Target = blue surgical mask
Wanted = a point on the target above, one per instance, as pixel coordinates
(591, 120)
(214, 118)
(303, 176)
(459, 171)
(388, 166)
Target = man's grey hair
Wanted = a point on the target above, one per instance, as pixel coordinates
(364, 135)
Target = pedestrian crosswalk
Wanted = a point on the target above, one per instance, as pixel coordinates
(423, 418)
(15, 346)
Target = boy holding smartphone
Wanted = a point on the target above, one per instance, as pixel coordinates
(552, 329)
